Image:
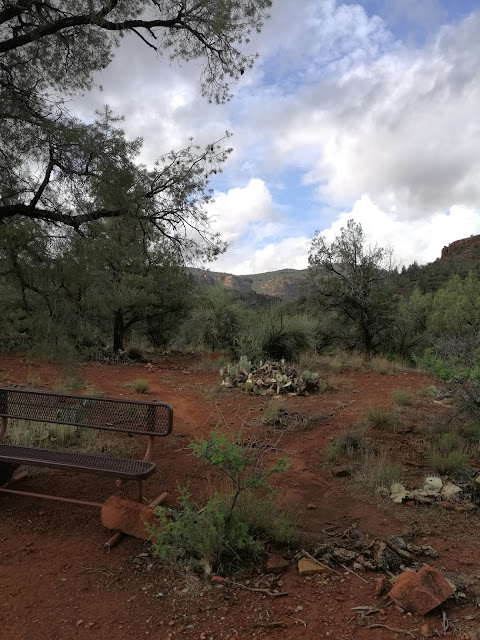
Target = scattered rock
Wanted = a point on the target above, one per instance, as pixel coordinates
(219, 579)
(343, 555)
(310, 505)
(130, 517)
(425, 631)
(421, 591)
(277, 564)
(398, 493)
(450, 491)
(447, 505)
(433, 484)
(308, 567)
(461, 477)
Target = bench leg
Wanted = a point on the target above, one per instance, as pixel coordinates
(20, 476)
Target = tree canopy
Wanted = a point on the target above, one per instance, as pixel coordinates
(354, 280)
(62, 171)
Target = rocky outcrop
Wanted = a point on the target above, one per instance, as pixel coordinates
(286, 284)
(465, 249)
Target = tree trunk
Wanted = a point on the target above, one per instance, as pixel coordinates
(118, 331)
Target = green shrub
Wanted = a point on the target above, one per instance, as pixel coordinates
(431, 391)
(431, 363)
(211, 535)
(448, 461)
(139, 385)
(266, 520)
(449, 441)
(227, 526)
(402, 397)
(135, 354)
(379, 418)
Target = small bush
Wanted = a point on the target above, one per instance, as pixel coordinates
(449, 441)
(384, 366)
(271, 414)
(448, 461)
(135, 354)
(432, 391)
(350, 443)
(402, 397)
(226, 528)
(266, 520)
(33, 379)
(378, 471)
(335, 362)
(211, 536)
(140, 386)
(379, 418)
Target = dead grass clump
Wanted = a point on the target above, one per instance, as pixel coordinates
(402, 397)
(212, 392)
(339, 360)
(383, 366)
(379, 418)
(350, 443)
(283, 420)
(48, 435)
(139, 386)
(378, 471)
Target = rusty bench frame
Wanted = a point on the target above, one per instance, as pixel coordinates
(151, 419)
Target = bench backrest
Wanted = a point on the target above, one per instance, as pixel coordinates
(131, 416)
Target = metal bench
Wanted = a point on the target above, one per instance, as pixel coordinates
(150, 419)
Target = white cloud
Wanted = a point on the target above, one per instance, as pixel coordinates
(403, 128)
(234, 212)
(289, 253)
(384, 132)
(418, 240)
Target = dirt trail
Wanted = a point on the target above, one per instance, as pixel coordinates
(56, 581)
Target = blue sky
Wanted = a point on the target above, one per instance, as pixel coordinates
(362, 109)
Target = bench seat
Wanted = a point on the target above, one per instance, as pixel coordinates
(89, 463)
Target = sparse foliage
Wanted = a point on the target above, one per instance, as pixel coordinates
(355, 281)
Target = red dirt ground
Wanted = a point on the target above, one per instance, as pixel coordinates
(56, 581)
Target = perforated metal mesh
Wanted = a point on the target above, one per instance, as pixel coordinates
(149, 418)
(118, 467)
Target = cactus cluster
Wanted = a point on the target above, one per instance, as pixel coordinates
(269, 378)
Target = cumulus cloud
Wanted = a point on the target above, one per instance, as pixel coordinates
(403, 128)
(382, 130)
(289, 253)
(419, 240)
(241, 209)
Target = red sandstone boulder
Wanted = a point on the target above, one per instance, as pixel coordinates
(127, 516)
(421, 591)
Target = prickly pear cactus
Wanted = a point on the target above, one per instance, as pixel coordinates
(269, 378)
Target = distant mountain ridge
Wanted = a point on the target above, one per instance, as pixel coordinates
(286, 284)
(289, 284)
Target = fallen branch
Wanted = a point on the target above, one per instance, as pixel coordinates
(384, 626)
(353, 573)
